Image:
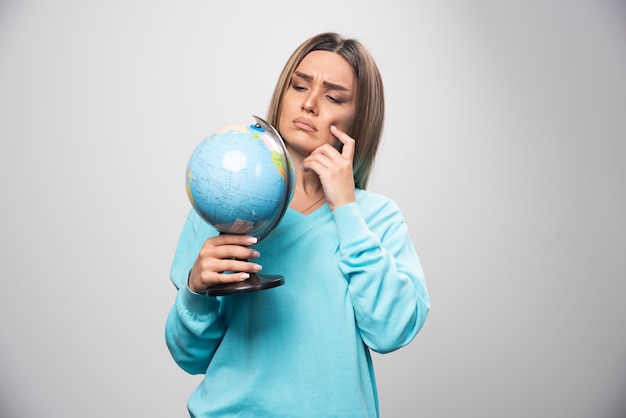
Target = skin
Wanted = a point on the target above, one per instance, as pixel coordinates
(317, 109)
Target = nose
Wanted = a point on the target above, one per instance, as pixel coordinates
(309, 104)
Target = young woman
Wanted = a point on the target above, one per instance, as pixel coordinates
(353, 281)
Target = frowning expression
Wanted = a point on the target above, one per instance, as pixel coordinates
(322, 92)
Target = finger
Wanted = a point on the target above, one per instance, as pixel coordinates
(348, 143)
(212, 252)
(232, 239)
(315, 158)
(230, 277)
(320, 157)
(222, 271)
(237, 266)
(213, 278)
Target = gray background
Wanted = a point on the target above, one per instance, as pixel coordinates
(505, 146)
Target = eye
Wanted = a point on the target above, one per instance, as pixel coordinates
(297, 87)
(334, 100)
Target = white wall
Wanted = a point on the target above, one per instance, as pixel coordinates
(505, 146)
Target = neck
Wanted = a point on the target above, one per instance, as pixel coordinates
(308, 194)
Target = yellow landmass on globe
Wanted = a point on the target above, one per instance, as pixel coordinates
(188, 187)
(277, 160)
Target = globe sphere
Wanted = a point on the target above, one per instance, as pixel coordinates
(241, 179)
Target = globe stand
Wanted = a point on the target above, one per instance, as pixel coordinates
(254, 283)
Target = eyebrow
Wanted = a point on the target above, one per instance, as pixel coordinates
(326, 84)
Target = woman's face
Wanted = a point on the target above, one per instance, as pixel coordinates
(322, 92)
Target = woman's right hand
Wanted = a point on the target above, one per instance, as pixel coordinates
(219, 254)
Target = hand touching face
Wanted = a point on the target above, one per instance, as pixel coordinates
(334, 169)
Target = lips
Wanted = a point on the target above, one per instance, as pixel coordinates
(305, 124)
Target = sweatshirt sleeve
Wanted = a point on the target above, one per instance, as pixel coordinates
(194, 328)
(385, 277)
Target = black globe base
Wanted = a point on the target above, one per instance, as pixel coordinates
(254, 283)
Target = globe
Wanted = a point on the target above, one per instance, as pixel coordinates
(241, 180)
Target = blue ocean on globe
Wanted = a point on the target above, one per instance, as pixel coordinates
(240, 179)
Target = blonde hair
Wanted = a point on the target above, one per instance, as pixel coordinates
(367, 126)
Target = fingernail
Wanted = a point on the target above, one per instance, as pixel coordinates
(251, 240)
(244, 276)
(257, 267)
(255, 254)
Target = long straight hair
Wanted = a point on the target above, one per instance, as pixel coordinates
(367, 126)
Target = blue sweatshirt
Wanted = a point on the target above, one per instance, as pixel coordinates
(353, 283)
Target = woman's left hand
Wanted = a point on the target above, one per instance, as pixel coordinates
(334, 169)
